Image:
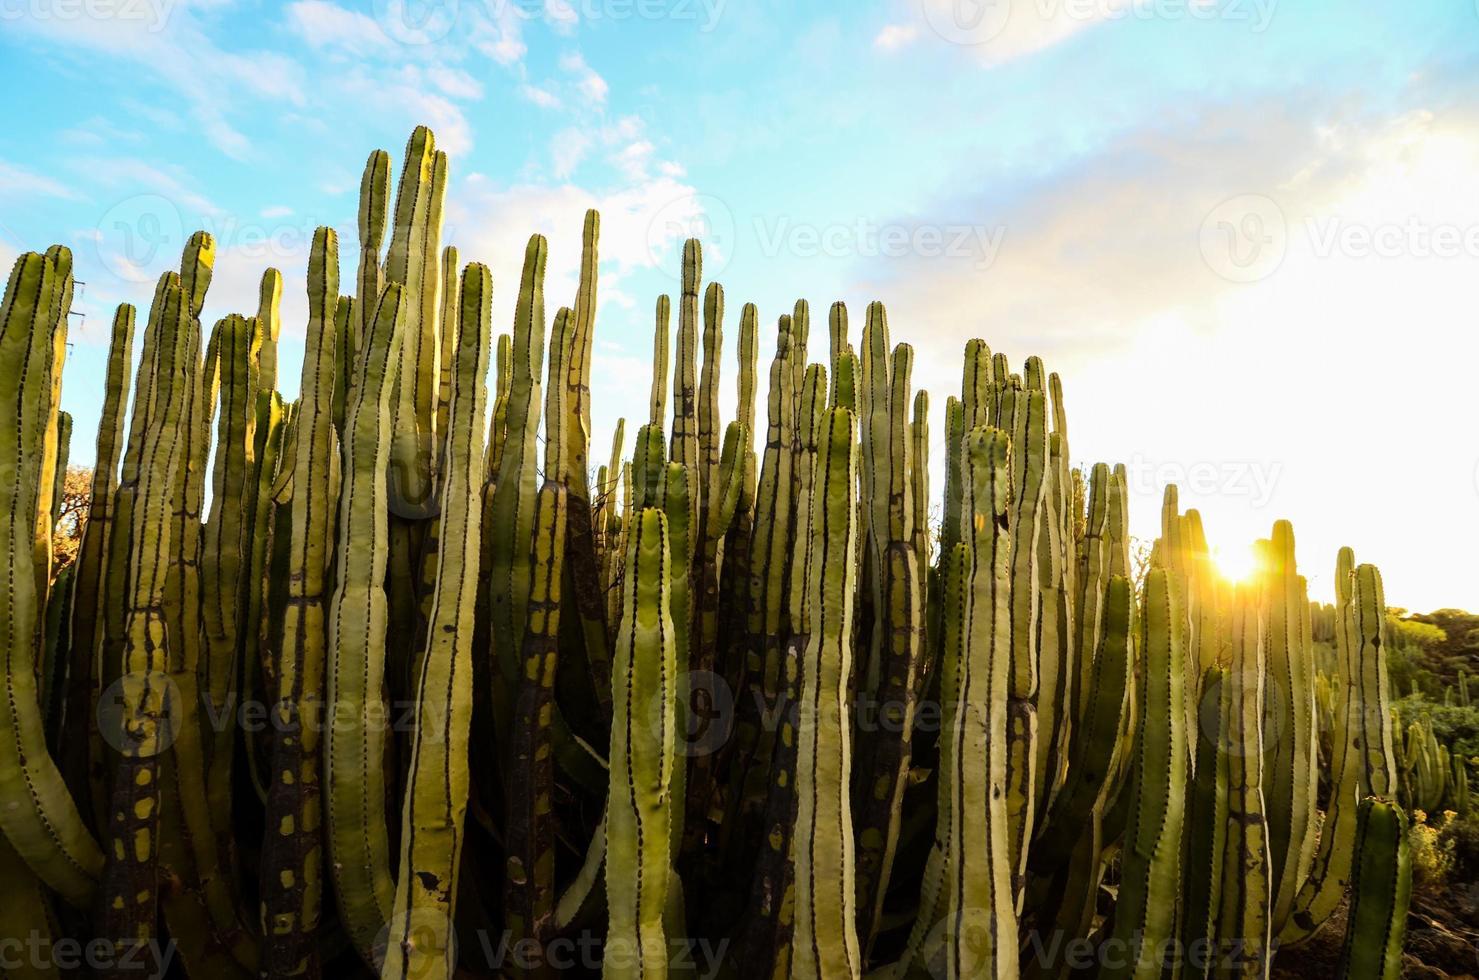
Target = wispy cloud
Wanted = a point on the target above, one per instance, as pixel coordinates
(18, 182)
(326, 25)
(541, 97)
(590, 84)
(895, 36)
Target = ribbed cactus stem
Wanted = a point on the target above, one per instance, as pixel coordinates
(980, 932)
(422, 939)
(1289, 738)
(826, 942)
(645, 670)
(529, 898)
(1381, 888)
(130, 897)
(1150, 867)
(354, 746)
(292, 864)
(41, 822)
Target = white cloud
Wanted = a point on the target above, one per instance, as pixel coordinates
(327, 25)
(1110, 271)
(590, 84)
(541, 97)
(276, 211)
(209, 80)
(17, 181)
(894, 36)
(455, 83)
(560, 15)
(501, 37)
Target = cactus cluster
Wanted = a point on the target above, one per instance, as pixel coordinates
(734, 702)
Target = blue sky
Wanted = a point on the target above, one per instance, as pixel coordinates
(1244, 231)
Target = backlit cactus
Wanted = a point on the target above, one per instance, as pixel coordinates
(730, 688)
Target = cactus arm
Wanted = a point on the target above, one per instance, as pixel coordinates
(41, 821)
(129, 885)
(412, 262)
(1381, 888)
(642, 754)
(1362, 757)
(79, 723)
(826, 942)
(1290, 736)
(583, 567)
(1030, 462)
(359, 852)
(1150, 865)
(979, 863)
(529, 896)
(884, 757)
(292, 860)
(1239, 918)
(421, 939)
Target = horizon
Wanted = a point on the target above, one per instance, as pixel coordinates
(1132, 191)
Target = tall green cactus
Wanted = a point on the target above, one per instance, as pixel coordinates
(44, 826)
(642, 755)
(292, 857)
(421, 941)
(826, 941)
(354, 745)
(1150, 867)
(981, 927)
(1381, 887)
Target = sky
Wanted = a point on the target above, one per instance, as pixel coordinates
(1244, 232)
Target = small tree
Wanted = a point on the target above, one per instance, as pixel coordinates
(71, 510)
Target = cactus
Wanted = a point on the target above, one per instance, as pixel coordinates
(292, 858)
(1150, 871)
(981, 925)
(437, 786)
(826, 943)
(1362, 763)
(359, 850)
(40, 818)
(1381, 886)
(642, 755)
(565, 635)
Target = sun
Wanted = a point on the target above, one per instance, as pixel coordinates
(1235, 564)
